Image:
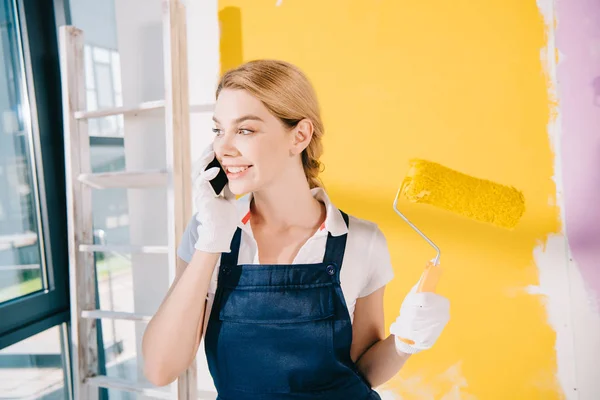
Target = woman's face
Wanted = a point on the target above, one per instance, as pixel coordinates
(252, 145)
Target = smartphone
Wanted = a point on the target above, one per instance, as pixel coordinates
(218, 183)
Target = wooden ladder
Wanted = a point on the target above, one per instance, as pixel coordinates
(80, 181)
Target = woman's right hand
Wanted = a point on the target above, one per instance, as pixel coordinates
(217, 215)
(423, 317)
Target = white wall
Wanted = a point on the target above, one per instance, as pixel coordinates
(139, 33)
(139, 37)
(203, 57)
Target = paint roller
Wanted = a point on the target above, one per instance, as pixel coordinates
(479, 199)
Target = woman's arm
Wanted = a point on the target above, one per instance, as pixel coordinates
(375, 356)
(173, 335)
(422, 319)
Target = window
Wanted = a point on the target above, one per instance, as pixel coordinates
(37, 367)
(34, 291)
(21, 272)
(103, 89)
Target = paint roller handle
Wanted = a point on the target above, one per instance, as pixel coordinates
(428, 282)
(429, 278)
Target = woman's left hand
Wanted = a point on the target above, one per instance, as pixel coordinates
(423, 317)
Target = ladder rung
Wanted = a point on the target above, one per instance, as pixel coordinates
(121, 315)
(106, 112)
(123, 248)
(125, 179)
(146, 106)
(145, 389)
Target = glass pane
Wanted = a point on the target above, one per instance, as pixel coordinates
(35, 368)
(89, 68)
(20, 270)
(101, 55)
(121, 358)
(111, 226)
(116, 72)
(92, 104)
(105, 86)
(110, 206)
(94, 127)
(110, 126)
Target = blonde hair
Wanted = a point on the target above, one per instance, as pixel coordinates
(289, 96)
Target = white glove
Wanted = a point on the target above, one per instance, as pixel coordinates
(422, 319)
(217, 216)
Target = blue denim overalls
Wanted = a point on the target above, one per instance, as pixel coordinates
(283, 332)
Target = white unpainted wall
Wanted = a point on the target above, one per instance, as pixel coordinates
(571, 313)
(139, 37)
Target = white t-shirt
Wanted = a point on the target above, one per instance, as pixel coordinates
(366, 266)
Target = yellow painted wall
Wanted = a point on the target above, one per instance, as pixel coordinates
(460, 83)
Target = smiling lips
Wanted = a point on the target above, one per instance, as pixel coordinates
(236, 171)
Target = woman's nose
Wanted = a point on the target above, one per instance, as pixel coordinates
(225, 145)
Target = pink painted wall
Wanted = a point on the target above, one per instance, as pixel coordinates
(578, 41)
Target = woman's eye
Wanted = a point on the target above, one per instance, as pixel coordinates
(219, 132)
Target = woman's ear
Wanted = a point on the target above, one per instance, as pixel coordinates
(302, 135)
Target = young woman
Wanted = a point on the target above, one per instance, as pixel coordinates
(286, 289)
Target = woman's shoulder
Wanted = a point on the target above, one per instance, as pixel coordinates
(368, 236)
(368, 256)
(363, 227)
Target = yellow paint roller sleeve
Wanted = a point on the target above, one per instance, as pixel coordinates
(479, 199)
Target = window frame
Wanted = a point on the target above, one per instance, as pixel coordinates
(33, 313)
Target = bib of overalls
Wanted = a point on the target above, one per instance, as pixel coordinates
(283, 332)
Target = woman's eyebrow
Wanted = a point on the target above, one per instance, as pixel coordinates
(243, 118)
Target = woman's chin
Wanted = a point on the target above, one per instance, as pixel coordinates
(240, 188)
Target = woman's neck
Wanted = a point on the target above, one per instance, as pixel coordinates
(284, 206)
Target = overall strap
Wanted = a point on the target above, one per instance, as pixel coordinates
(336, 245)
(231, 258)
